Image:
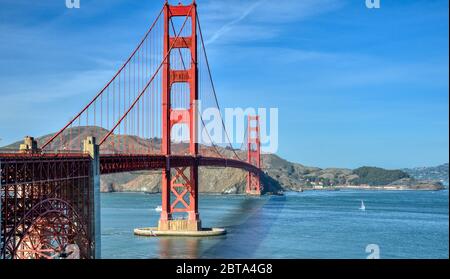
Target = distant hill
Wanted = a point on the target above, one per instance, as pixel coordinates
(439, 173)
(279, 174)
(377, 176)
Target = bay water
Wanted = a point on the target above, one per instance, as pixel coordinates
(307, 225)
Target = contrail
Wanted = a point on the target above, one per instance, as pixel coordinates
(227, 27)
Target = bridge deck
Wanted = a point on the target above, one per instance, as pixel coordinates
(123, 163)
(115, 163)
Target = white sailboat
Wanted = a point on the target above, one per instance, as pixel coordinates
(363, 207)
(158, 208)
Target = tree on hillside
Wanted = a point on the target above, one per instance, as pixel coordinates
(377, 176)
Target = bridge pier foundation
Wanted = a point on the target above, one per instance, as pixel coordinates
(179, 225)
(254, 193)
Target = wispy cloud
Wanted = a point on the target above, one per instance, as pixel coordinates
(234, 21)
(227, 27)
(55, 87)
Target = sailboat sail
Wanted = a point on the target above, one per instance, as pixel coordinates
(363, 207)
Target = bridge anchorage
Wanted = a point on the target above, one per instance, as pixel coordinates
(50, 187)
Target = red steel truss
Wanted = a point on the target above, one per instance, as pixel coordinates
(46, 205)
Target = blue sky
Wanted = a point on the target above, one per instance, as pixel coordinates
(353, 86)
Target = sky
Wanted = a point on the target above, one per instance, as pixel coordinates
(354, 86)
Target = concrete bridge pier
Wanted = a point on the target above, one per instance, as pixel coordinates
(93, 149)
(29, 145)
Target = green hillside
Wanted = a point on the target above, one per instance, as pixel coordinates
(377, 176)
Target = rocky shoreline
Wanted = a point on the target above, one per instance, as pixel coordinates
(150, 183)
(381, 188)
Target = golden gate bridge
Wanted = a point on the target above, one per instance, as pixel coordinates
(50, 190)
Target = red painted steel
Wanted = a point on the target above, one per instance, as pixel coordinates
(253, 154)
(184, 184)
(46, 204)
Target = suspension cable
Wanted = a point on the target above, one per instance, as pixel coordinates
(148, 83)
(107, 85)
(213, 87)
(201, 116)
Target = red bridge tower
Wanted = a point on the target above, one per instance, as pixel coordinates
(253, 155)
(183, 185)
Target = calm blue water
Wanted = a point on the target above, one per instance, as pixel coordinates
(404, 224)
